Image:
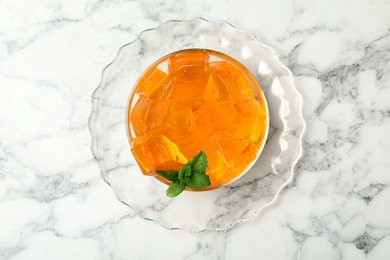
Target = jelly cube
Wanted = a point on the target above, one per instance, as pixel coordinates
(215, 89)
(154, 85)
(153, 152)
(236, 82)
(138, 116)
(193, 65)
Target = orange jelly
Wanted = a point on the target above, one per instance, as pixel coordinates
(197, 100)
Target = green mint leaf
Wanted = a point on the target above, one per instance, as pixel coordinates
(192, 174)
(175, 189)
(199, 162)
(185, 173)
(170, 175)
(198, 180)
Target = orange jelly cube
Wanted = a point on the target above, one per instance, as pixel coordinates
(202, 101)
(156, 150)
(234, 79)
(154, 85)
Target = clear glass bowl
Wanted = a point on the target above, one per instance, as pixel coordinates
(181, 67)
(218, 209)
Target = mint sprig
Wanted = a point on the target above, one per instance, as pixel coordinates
(192, 175)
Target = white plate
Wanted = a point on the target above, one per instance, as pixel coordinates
(218, 209)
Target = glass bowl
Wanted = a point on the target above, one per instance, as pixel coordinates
(196, 100)
(218, 209)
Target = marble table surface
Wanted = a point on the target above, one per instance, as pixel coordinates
(53, 202)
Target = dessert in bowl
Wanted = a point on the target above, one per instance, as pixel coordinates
(197, 100)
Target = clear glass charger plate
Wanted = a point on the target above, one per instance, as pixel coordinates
(218, 209)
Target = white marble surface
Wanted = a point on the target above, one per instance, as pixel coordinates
(53, 203)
